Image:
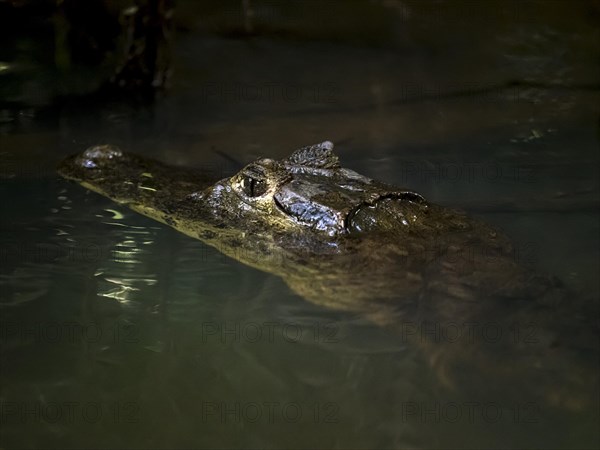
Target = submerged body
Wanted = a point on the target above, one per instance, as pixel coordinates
(344, 241)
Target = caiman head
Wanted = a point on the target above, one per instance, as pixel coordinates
(335, 236)
(306, 203)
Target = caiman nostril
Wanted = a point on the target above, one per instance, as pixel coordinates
(102, 152)
(93, 156)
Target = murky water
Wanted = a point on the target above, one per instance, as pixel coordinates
(118, 332)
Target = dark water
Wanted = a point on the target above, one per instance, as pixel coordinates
(118, 332)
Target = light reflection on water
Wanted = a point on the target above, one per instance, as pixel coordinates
(121, 278)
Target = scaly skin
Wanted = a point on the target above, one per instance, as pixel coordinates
(344, 241)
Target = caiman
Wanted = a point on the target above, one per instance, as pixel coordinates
(347, 242)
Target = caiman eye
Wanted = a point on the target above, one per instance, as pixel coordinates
(253, 187)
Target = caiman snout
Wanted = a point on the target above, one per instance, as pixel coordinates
(91, 163)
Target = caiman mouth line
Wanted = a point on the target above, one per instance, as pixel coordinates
(280, 206)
